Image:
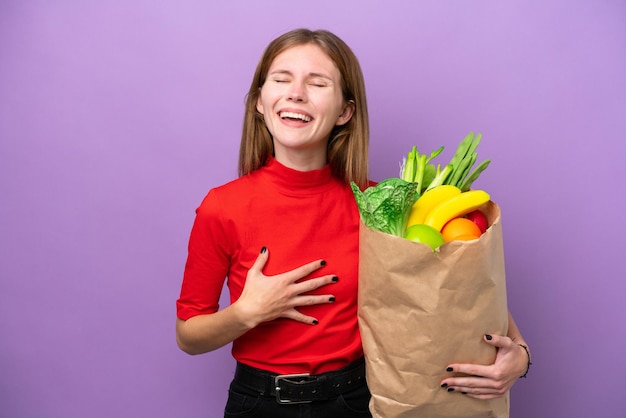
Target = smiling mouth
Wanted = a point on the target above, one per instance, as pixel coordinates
(294, 116)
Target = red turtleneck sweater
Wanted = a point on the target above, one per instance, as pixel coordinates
(299, 217)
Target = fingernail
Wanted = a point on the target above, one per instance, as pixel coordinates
(335, 279)
(323, 263)
(315, 322)
(449, 369)
(464, 393)
(263, 250)
(444, 385)
(450, 389)
(331, 299)
(488, 337)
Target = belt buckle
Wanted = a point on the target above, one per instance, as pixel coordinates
(277, 380)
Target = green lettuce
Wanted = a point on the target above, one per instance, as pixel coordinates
(386, 206)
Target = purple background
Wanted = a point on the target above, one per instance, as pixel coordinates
(117, 117)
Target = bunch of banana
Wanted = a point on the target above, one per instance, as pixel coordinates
(442, 203)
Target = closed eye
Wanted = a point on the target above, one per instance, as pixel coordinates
(319, 81)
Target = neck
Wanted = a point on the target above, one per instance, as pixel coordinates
(302, 161)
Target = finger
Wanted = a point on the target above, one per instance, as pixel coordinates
(469, 383)
(300, 317)
(304, 270)
(313, 284)
(476, 392)
(308, 300)
(474, 387)
(479, 387)
(497, 340)
(261, 260)
(477, 370)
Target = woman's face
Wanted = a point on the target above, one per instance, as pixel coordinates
(301, 101)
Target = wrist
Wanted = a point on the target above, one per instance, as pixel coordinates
(529, 363)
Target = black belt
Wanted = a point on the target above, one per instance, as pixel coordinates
(302, 388)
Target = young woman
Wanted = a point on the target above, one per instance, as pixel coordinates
(285, 233)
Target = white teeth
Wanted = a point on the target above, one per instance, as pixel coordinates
(292, 115)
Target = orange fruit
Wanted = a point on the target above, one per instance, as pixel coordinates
(465, 237)
(461, 229)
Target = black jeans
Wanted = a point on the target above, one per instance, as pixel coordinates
(246, 403)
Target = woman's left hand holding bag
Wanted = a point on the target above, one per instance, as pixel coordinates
(490, 381)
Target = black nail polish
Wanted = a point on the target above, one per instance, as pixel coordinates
(263, 250)
(488, 337)
(315, 322)
(335, 279)
(331, 299)
(464, 393)
(450, 389)
(444, 385)
(449, 369)
(323, 263)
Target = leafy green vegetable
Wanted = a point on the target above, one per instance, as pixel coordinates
(440, 176)
(462, 162)
(409, 166)
(386, 206)
(416, 168)
(467, 183)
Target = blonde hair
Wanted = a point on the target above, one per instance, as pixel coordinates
(347, 145)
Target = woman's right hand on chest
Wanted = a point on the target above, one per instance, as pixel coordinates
(265, 298)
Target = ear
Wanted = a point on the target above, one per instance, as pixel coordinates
(259, 104)
(346, 114)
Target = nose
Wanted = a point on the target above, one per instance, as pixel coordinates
(297, 92)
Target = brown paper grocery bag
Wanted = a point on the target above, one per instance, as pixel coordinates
(421, 310)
